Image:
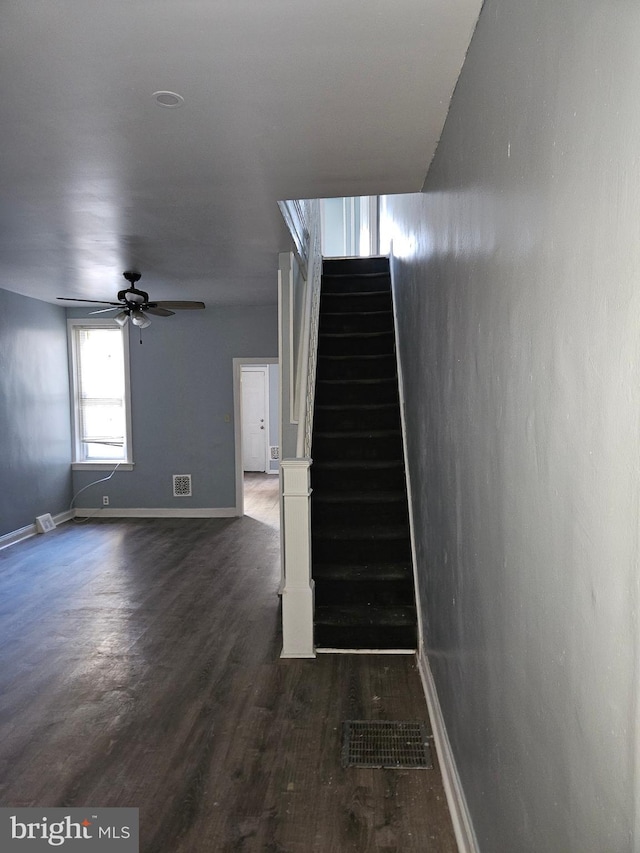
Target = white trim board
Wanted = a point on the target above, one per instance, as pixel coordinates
(31, 530)
(156, 512)
(74, 323)
(405, 457)
(15, 536)
(462, 824)
(365, 651)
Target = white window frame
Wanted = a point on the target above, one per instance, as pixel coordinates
(78, 464)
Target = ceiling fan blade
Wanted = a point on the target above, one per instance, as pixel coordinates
(104, 310)
(179, 305)
(95, 301)
(159, 312)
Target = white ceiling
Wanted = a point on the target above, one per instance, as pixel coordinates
(282, 99)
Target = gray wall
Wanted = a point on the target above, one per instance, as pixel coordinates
(182, 407)
(35, 438)
(517, 286)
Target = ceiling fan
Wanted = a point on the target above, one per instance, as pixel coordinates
(134, 304)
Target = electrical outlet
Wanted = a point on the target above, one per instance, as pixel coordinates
(105, 500)
(44, 523)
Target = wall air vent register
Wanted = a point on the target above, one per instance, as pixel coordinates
(182, 486)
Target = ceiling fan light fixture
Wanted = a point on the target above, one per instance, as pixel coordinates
(131, 302)
(139, 318)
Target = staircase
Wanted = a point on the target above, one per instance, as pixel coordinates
(361, 553)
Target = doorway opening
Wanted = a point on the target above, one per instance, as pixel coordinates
(350, 227)
(257, 440)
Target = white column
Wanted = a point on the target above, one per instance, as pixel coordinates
(297, 595)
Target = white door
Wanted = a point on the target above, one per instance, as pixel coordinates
(254, 418)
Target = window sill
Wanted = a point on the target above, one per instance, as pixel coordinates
(101, 466)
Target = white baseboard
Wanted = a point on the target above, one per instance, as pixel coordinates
(156, 512)
(112, 512)
(462, 824)
(30, 530)
(17, 535)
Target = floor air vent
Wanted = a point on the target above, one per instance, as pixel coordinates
(382, 743)
(182, 485)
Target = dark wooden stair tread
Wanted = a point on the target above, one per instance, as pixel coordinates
(369, 408)
(359, 464)
(385, 311)
(359, 433)
(354, 356)
(365, 275)
(361, 531)
(352, 572)
(366, 614)
(357, 366)
(379, 334)
(360, 294)
(347, 497)
(385, 380)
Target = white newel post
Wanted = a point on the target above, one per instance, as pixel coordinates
(297, 595)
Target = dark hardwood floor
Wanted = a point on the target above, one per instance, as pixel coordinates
(139, 666)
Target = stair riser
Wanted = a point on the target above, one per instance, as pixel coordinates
(357, 367)
(355, 284)
(328, 593)
(374, 344)
(356, 419)
(332, 479)
(363, 574)
(354, 267)
(357, 514)
(357, 448)
(357, 637)
(381, 321)
(365, 551)
(335, 303)
(355, 393)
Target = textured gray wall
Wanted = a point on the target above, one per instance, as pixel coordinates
(516, 276)
(35, 440)
(182, 407)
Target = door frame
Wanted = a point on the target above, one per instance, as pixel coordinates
(238, 364)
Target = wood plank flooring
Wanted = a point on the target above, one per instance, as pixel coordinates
(139, 666)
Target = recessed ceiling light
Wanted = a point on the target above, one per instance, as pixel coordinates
(168, 99)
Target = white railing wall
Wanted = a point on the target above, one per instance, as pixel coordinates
(309, 358)
(299, 302)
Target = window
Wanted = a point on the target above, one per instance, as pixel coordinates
(99, 354)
